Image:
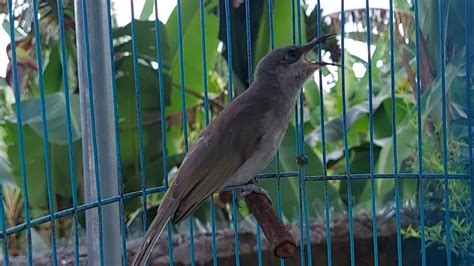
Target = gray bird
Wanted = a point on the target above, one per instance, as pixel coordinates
(240, 142)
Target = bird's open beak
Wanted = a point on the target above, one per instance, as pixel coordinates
(307, 48)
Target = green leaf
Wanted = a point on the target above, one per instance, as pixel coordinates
(147, 10)
(52, 75)
(406, 145)
(402, 6)
(192, 56)
(261, 45)
(359, 164)
(60, 170)
(35, 166)
(6, 28)
(55, 106)
(238, 40)
(5, 169)
(145, 41)
(431, 99)
(282, 29)
(174, 139)
(311, 93)
(150, 118)
(334, 127)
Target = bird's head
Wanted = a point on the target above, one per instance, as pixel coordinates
(289, 65)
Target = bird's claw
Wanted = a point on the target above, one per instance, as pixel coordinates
(254, 188)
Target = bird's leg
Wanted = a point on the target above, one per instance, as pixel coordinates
(252, 187)
(243, 191)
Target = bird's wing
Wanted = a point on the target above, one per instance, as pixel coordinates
(217, 154)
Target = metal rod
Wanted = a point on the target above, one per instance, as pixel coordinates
(71, 157)
(371, 129)
(323, 142)
(346, 139)
(394, 133)
(421, 189)
(120, 185)
(444, 127)
(467, 36)
(21, 145)
(93, 65)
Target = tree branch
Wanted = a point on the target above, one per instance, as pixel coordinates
(426, 73)
(199, 96)
(406, 64)
(279, 237)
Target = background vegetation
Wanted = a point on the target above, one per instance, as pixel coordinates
(356, 85)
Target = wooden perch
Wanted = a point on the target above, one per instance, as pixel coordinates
(280, 239)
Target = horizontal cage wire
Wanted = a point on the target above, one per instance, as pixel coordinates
(104, 103)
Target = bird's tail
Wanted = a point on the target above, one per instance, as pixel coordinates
(164, 213)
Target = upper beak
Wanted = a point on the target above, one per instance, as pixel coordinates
(314, 43)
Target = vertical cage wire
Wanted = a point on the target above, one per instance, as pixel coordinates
(45, 133)
(16, 89)
(163, 121)
(394, 136)
(230, 82)
(231, 95)
(123, 227)
(327, 210)
(184, 114)
(6, 258)
(72, 170)
(207, 120)
(277, 157)
(444, 137)
(371, 134)
(301, 150)
(294, 31)
(421, 186)
(467, 32)
(141, 152)
(346, 141)
(235, 225)
(248, 42)
(300, 181)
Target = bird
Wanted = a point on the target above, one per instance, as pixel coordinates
(240, 142)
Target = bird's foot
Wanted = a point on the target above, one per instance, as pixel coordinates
(254, 188)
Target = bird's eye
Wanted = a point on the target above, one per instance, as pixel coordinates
(291, 55)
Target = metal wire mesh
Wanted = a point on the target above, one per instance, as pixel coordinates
(307, 255)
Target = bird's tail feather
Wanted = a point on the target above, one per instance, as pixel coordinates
(154, 231)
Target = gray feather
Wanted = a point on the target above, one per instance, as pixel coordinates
(224, 146)
(164, 214)
(240, 142)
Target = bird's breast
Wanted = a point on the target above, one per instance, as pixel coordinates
(263, 155)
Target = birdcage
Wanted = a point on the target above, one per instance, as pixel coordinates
(101, 101)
